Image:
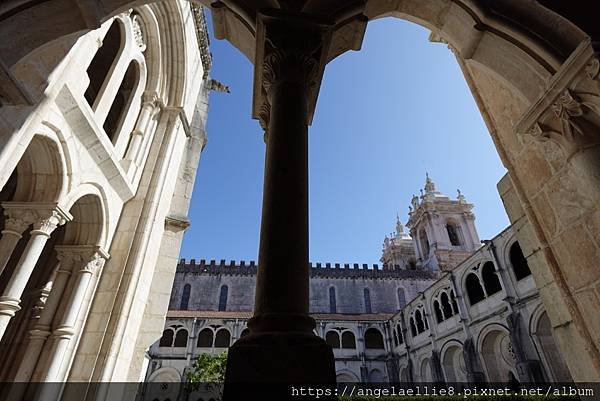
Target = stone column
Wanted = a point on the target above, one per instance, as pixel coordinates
(16, 223)
(472, 365)
(48, 218)
(149, 105)
(282, 347)
(82, 261)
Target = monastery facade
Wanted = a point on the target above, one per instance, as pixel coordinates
(443, 307)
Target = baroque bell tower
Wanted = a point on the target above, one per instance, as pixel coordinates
(443, 229)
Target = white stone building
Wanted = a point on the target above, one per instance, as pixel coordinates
(96, 173)
(452, 309)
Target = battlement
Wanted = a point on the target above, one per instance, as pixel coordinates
(317, 270)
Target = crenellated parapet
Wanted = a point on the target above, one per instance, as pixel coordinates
(317, 270)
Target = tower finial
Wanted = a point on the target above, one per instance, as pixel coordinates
(399, 226)
(429, 185)
(460, 197)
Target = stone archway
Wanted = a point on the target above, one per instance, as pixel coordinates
(453, 364)
(498, 357)
(554, 360)
(425, 373)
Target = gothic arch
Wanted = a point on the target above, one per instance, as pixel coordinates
(165, 375)
(495, 349)
(346, 376)
(425, 371)
(452, 361)
(541, 331)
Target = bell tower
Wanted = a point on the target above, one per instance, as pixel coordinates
(443, 229)
(398, 250)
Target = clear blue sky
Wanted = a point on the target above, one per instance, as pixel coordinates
(385, 116)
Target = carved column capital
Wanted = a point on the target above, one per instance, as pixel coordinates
(291, 48)
(80, 258)
(45, 217)
(150, 98)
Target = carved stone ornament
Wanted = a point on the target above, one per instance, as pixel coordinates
(82, 259)
(48, 222)
(292, 50)
(592, 69)
(572, 118)
(18, 220)
(139, 33)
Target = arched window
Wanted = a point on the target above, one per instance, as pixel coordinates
(332, 338)
(400, 335)
(439, 316)
(102, 62)
(205, 338)
(122, 101)
(401, 298)
(223, 298)
(413, 327)
(185, 297)
(419, 322)
(373, 339)
(222, 339)
(453, 234)
(348, 340)
(181, 338)
(245, 332)
(474, 289)
(424, 243)
(446, 307)
(332, 300)
(518, 262)
(490, 279)
(167, 338)
(367, 297)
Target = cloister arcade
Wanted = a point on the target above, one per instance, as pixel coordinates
(95, 174)
(533, 69)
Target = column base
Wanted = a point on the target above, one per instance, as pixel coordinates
(9, 306)
(280, 366)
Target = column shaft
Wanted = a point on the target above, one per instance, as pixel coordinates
(41, 331)
(48, 218)
(282, 280)
(281, 348)
(66, 327)
(8, 242)
(10, 299)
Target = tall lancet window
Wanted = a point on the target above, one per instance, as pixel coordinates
(367, 296)
(223, 298)
(122, 101)
(453, 234)
(332, 301)
(185, 297)
(102, 62)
